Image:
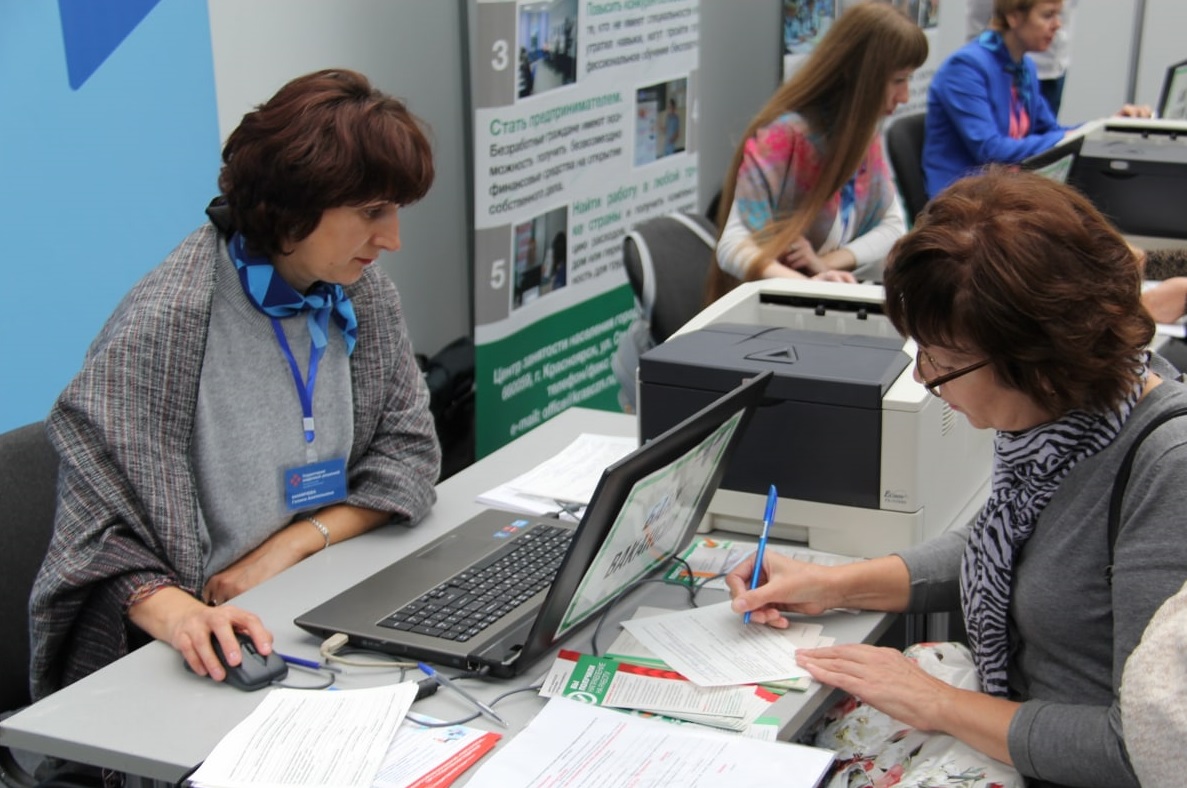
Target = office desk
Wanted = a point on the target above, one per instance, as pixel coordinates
(147, 716)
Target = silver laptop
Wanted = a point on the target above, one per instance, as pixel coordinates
(512, 586)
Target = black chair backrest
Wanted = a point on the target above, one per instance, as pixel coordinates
(28, 478)
(904, 146)
(680, 258)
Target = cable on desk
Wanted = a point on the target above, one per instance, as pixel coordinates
(475, 715)
(335, 643)
(690, 584)
(326, 676)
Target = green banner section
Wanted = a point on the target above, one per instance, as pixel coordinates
(560, 361)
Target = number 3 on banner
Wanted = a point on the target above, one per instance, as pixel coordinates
(499, 62)
(498, 274)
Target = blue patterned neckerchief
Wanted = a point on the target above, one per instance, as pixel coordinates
(992, 40)
(269, 293)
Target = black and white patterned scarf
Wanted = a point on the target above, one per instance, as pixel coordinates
(1028, 468)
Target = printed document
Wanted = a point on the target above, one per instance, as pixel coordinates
(573, 474)
(712, 647)
(303, 738)
(574, 745)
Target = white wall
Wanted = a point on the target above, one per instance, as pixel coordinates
(1164, 41)
(1098, 79)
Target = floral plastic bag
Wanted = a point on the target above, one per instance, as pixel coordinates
(876, 751)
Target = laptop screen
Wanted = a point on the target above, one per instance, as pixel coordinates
(1172, 104)
(646, 509)
(1056, 163)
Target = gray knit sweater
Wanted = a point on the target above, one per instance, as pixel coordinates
(1071, 632)
(127, 517)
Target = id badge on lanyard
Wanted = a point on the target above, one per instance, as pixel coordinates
(316, 483)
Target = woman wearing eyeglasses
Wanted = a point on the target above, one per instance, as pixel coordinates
(1025, 305)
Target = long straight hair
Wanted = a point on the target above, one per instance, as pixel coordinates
(841, 92)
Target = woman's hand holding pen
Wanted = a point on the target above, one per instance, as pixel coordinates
(785, 585)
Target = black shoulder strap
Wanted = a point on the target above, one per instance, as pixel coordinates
(1122, 479)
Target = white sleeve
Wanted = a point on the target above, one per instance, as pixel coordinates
(875, 245)
(736, 249)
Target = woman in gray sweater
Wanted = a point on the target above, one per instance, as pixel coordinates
(991, 285)
(252, 400)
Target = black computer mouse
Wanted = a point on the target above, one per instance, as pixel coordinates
(254, 670)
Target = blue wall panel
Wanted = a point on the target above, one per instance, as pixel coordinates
(97, 183)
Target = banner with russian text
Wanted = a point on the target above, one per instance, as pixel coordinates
(584, 124)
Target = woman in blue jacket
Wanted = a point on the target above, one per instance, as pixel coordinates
(984, 104)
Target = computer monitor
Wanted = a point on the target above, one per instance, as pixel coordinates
(1172, 104)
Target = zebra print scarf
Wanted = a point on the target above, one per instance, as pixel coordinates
(1028, 468)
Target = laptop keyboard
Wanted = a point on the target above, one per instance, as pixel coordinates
(473, 599)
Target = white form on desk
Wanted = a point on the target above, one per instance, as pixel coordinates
(297, 737)
(710, 646)
(573, 473)
(567, 478)
(575, 745)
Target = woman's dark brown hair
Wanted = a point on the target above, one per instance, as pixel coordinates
(1025, 271)
(841, 92)
(324, 140)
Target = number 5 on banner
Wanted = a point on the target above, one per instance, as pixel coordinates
(498, 274)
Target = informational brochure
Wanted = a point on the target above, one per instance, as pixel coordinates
(608, 682)
(432, 757)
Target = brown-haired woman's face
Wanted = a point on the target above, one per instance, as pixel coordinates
(898, 89)
(984, 400)
(346, 240)
(1036, 30)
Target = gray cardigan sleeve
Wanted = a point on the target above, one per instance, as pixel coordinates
(934, 567)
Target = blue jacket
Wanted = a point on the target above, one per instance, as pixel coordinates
(968, 114)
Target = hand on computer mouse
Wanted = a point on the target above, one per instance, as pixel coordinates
(255, 670)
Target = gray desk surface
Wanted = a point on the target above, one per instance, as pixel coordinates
(147, 716)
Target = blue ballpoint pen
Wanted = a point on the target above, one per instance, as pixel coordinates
(486, 711)
(305, 663)
(767, 517)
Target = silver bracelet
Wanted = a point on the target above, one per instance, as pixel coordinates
(321, 528)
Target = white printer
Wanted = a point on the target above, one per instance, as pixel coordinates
(866, 461)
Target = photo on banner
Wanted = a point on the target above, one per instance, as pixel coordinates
(584, 125)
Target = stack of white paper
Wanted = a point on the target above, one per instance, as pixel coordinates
(568, 478)
(303, 738)
(581, 746)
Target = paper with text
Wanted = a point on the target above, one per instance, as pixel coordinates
(608, 682)
(303, 738)
(421, 757)
(710, 646)
(573, 474)
(573, 745)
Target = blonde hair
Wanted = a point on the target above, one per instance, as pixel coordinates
(841, 92)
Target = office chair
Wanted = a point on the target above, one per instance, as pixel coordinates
(904, 146)
(28, 477)
(666, 260)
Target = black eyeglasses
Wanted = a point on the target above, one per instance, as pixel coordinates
(933, 385)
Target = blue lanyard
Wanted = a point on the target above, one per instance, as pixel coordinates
(848, 203)
(304, 388)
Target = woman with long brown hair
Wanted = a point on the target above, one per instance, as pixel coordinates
(809, 191)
